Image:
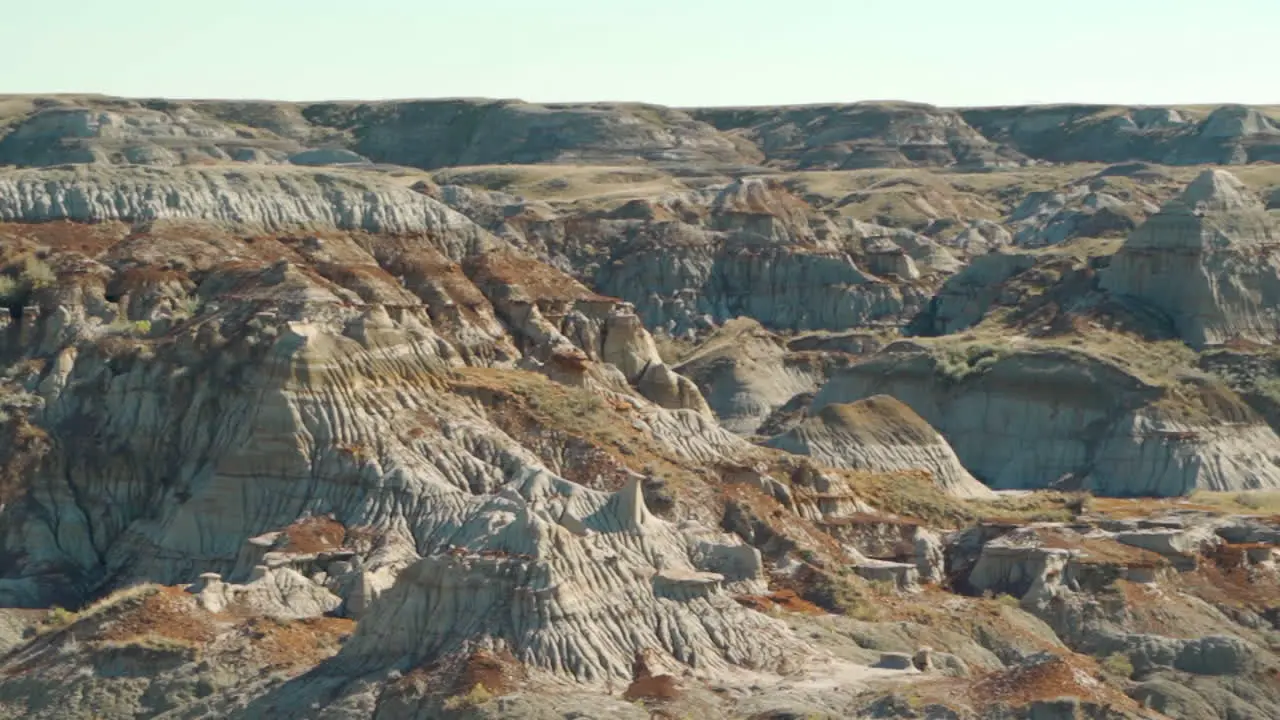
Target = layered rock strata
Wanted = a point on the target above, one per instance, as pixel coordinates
(879, 434)
(1210, 260)
(1036, 418)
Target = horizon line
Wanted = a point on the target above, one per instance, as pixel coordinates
(583, 103)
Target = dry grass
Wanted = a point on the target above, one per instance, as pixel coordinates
(584, 436)
(673, 350)
(1020, 508)
(565, 183)
(910, 494)
(153, 612)
(1256, 502)
(533, 281)
(1252, 502)
(151, 642)
(297, 643)
(878, 419)
(1056, 678)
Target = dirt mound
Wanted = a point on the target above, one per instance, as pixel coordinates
(878, 419)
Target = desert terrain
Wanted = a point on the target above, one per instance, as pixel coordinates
(492, 409)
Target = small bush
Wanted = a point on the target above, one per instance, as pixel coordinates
(134, 592)
(478, 695)
(1118, 664)
(59, 617)
(1079, 504)
(37, 274)
(11, 289)
(956, 365)
(849, 600)
(1249, 501)
(1009, 601)
(1269, 388)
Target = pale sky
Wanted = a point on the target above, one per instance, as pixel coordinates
(671, 52)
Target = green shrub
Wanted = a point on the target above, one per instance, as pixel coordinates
(957, 364)
(478, 695)
(1009, 601)
(59, 617)
(1118, 664)
(11, 289)
(37, 274)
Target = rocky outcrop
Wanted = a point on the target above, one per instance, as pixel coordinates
(1110, 134)
(45, 131)
(759, 253)
(830, 137)
(559, 324)
(1209, 261)
(263, 198)
(746, 373)
(426, 134)
(964, 299)
(126, 132)
(1034, 418)
(690, 261)
(442, 133)
(580, 588)
(296, 389)
(1089, 209)
(882, 435)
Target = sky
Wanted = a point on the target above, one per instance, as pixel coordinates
(670, 52)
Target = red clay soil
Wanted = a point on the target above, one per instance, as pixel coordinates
(63, 235)
(169, 612)
(785, 599)
(1100, 550)
(497, 672)
(297, 643)
(314, 534)
(653, 687)
(540, 282)
(1231, 587)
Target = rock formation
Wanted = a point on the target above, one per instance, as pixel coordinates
(746, 373)
(47, 131)
(266, 198)
(862, 135)
(578, 587)
(1036, 418)
(1209, 260)
(880, 434)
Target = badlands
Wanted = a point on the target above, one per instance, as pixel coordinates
(488, 409)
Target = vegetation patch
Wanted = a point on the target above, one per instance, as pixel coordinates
(958, 363)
